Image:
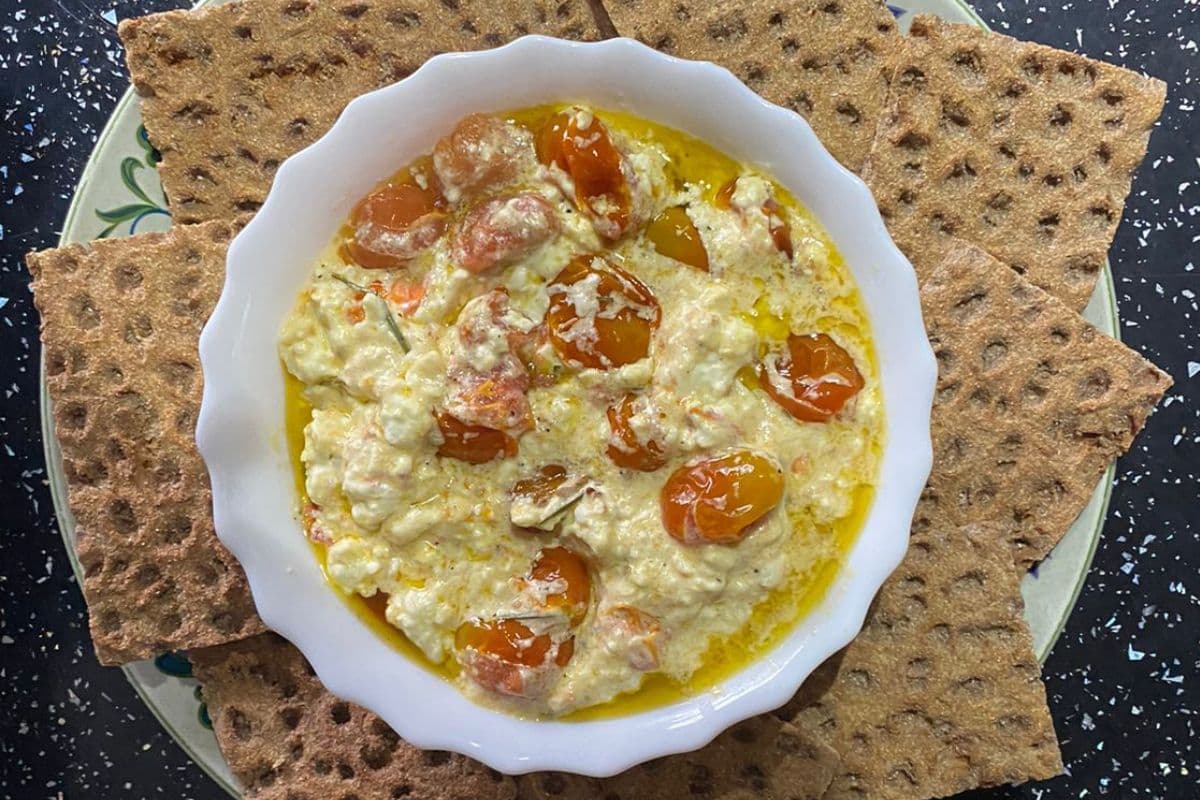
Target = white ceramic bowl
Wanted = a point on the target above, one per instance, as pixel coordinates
(241, 427)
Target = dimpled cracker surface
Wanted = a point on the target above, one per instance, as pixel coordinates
(1032, 403)
(1021, 149)
(120, 322)
(825, 60)
(941, 691)
(285, 736)
(228, 92)
(763, 758)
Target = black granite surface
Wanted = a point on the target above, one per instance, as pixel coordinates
(1122, 680)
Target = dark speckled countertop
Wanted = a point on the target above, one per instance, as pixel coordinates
(1123, 680)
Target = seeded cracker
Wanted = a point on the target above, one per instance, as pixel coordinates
(940, 692)
(824, 60)
(230, 91)
(1032, 403)
(1020, 149)
(120, 322)
(284, 736)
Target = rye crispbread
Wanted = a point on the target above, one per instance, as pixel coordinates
(1021, 149)
(763, 758)
(285, 736)
(1032, 403)
(228, 92)
(120, 323)
(941, 691)
(827, 61)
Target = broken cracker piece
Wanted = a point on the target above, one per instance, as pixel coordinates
(285, 736)
(826, 61)
(1021, 149)
(229, 91)
(1032, 403)
(941, 690)
(120, 323)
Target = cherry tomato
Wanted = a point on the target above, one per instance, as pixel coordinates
(492, 394)
(639, 631)
(474, 444)
(558, 565)
(506, 657)
(625, 448)
(481, 152)
(406, 295)
(618, 332)
(781, 232)
(542, 486)
(394, 223)
(577, 141)
(717, 500)
(503, 230)
(813, 379)
(674, 235)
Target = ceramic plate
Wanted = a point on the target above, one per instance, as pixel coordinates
(119, 194)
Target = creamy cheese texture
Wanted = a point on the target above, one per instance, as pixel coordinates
(431, 539)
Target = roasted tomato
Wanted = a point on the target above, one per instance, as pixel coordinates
(812, 379)
(502, 230)
(474, 444)
(580, 145)
(781, 232)
(674, 235)
(506, 657)
(406, 295)
(559, 577)
(717, 500)
(490, 392)
(540, 502)
(625, 448)
(482, 152)
(396, 222)
(600, 316)
(639, 633)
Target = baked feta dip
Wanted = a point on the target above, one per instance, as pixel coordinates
(588, 408)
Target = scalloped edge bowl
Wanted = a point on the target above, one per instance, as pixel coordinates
(240, 431)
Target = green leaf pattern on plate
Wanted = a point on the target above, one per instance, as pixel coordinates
(132, 214)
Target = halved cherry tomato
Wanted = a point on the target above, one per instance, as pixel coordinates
(394, 223)
(625, 314)
(503, 230)
(625, 449)
(577, 141)
(481, 152)
(674, 235)
(639, 631)
(813, 379)
(717, 500)
(558, 566)
(473, 444)
(781, 232)
(406, 294)
(505, 656)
